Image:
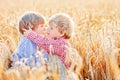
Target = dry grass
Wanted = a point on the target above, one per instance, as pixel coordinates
(97, 38)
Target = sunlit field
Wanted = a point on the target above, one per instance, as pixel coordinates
(96, 38)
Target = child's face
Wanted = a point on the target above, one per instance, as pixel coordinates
(52, 31)
(40, 30)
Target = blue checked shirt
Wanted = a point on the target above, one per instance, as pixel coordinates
(27, 49)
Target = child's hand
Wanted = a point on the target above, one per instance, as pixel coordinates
(68, 64)
(26, 32)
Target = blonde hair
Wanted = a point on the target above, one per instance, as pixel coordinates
(30, 19)
(63, 23)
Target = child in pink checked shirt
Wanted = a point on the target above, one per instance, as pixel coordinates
(60, 29)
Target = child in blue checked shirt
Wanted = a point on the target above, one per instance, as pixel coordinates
(26, 51)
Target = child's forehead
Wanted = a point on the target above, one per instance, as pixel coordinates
(52, 23)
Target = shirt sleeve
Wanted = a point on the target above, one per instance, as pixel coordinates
(41, 41)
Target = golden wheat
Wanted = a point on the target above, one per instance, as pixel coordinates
(97, 38)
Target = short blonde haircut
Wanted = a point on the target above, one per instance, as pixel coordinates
(30, 19)
(63, 23)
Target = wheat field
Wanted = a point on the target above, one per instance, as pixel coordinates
(96, 38)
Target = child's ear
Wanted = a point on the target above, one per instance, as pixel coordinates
(32, 27)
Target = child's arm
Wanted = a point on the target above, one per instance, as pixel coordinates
(41, 41)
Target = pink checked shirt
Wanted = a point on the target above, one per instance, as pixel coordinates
(58, 45)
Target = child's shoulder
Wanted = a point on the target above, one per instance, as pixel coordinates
(26, 40)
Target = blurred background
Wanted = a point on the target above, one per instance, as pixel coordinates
(97, 34)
